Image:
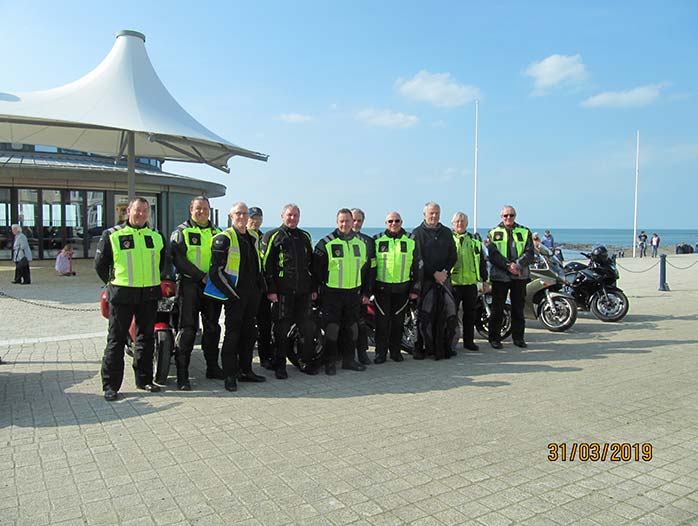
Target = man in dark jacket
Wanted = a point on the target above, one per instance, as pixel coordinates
(397, 282)
(264, 343)
(190, 248)
(287, 262)
(236, 273)
(438, 256)
(510, 249)
(129, 259)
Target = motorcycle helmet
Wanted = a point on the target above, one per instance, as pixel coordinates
(599, 254)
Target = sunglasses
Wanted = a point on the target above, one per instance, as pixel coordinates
(391, 221)
(508, 215)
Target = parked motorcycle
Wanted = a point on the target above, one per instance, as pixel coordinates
(165, 327)
(546, 300)
(594, 286)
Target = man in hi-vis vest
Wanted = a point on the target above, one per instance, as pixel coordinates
(190, 247)
(397, 282)
(129, 259)
(236, 273)
(340, 269)
(510, 248)
(470, 269)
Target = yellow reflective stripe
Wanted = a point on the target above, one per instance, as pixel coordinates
(340, 274)
(198, 257)
(129, 263)
(358, 269)
(385, 267)
(403, 264)
(152, 267)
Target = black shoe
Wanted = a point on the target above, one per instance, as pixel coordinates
(309, 369)
(281, 374)
(184, 386)
(362, 357)
(471, 346)
(267, 364)
(418, 355)
(251, 377)
(496, 344)
(110, 395)
(397, 357)
(230, 383)
(380, 358)
(16, 282)
(151, 388)
(330, 369)
(451, 353)
(215, 373)
(353, 366)
(520, 343)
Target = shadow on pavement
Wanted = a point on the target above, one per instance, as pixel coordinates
(39, 399)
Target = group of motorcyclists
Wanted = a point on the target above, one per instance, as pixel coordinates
(265, 283)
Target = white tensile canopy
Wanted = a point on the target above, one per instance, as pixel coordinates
(120, 108)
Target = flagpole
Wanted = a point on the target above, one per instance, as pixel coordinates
(477, 103)
(637, 179)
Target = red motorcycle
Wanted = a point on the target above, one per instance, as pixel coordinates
(165, 327)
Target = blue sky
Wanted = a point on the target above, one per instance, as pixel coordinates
(371, 104)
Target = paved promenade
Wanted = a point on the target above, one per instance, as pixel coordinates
(460, 441)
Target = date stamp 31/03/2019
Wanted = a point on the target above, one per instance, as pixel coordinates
(599, 451)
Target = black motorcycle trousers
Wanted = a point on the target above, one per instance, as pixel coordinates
(192, 303)
(120, 316)
(516, 288)
(339, 314)
(391, 308)
(240, 332)
(466, 296)
(290, 309)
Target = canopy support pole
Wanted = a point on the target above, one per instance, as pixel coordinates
(131, 165)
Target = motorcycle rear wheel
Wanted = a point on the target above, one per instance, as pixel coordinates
(482, 322)
(164, 348)
(564, 317)
(613, 306)
(409, 334)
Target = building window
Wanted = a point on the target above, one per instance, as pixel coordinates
(95, 220)
(6, 238)
(74, 225)
(28, 206)
(51, 223)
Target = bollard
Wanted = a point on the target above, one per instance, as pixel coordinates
(663, 285)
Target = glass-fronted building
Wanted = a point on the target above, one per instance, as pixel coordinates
(61, 196)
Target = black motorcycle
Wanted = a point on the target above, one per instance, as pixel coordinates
(594, 288)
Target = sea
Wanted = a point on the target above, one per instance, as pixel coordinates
(569, 239)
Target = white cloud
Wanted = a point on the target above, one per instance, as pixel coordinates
(438, 89)
(641, 96)
(556, 70)
(386, 118)
(295, 118)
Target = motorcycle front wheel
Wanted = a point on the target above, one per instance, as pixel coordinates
(612, 306)
(482, 322)
(560, 316)
(164, 347)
